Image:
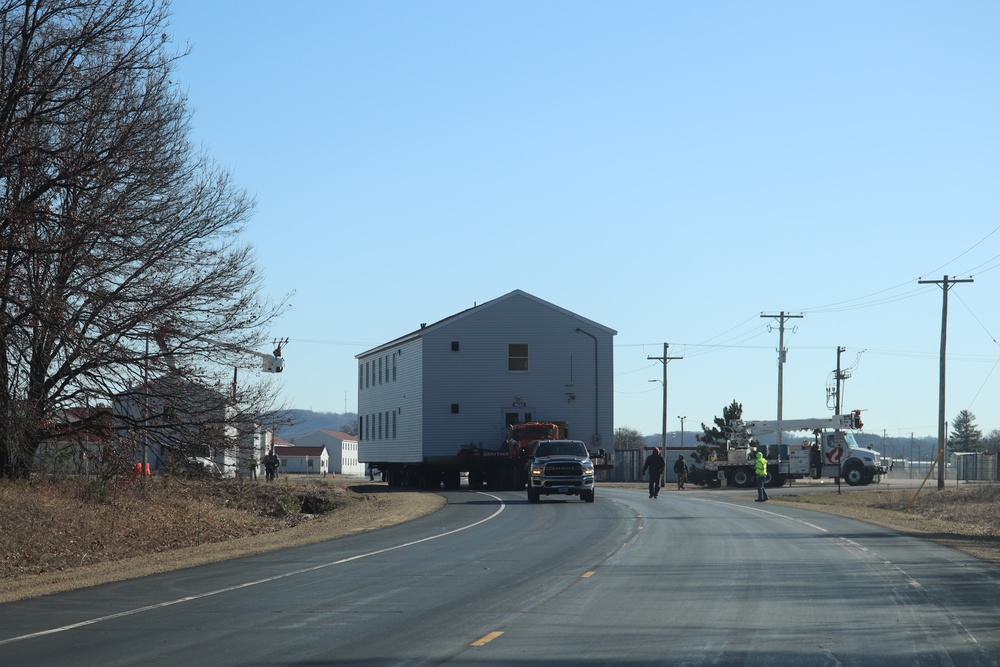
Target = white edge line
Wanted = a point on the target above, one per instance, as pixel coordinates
(228, 589)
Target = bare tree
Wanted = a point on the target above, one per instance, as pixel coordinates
(628, 438)
(991, 441)
(112, 228)
(352, 427)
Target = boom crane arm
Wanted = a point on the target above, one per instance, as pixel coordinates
(850, 421)
(270, 363)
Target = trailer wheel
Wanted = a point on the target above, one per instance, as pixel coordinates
(741, 478)
(475, 479)
(452, 479)
(854, 474)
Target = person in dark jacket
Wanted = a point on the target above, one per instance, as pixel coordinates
(654, 465)
(271, 463)
(681, 470)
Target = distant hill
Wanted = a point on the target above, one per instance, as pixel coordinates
(304, 422)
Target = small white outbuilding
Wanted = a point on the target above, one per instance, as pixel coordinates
(296, 460)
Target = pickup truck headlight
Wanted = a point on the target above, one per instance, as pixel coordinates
(537, 469)
(588, 468)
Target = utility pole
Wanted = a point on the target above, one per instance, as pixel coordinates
(946, 284)
(665, 359)
(839, 377)
(782, 352)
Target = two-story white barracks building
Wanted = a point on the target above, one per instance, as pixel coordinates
(462, 380)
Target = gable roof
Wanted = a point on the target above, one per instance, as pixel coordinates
(340, 434)
(293, 450)
(427, 328)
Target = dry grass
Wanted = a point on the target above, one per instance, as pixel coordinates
(964, 517)
(63, 534)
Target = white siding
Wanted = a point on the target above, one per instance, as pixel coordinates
(397, 401)
(561, 366)
(302, 465)
(343, 453)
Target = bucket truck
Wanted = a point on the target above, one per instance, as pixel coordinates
(224, 461)
(270, 363)
(833, 452)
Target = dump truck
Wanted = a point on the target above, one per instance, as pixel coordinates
(506, 468)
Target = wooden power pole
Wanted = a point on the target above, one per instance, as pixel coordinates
(946, 284)
(782, 353)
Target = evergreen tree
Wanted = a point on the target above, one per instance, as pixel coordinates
(965, 435)
(713, 440)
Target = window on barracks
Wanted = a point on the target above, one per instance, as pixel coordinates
(517, 357)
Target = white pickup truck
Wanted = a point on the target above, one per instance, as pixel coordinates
(561, 467)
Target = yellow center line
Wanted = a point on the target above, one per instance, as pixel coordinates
(487, 639)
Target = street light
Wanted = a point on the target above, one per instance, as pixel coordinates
(682, 428)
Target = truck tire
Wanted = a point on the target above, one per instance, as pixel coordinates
(741, 478)
(854, 474)
(452, 479)
(776, 481)
(533, 496)
(587, 496)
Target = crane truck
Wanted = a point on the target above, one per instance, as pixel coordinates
(270, 363)
(833, 453)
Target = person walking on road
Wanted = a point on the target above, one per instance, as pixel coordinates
(760, 467)
(681, 470)
(654, 465)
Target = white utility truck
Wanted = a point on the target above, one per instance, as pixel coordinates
(833, 453)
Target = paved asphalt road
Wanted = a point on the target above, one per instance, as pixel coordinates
(692, 578)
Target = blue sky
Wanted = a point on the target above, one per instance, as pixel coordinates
(672, 170)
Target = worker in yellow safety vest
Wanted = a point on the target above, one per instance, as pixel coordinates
(760, 467)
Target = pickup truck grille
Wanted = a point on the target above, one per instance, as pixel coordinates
(568, 469)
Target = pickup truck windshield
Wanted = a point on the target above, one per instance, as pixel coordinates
(567, 448)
